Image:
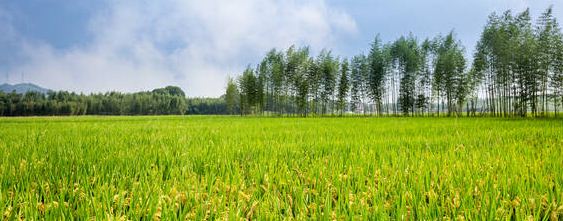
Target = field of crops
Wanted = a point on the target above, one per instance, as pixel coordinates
(280, 168)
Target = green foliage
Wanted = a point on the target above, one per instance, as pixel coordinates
(359, 82)
(405, 54)
(517, 67)
(248, 92)
(207, 106)
(515, 64)
(232, 97)
(378, 61)
(197, 168)
(343, 86)
(449, 72)
(328, 67)
(170, 90)
(169, 100)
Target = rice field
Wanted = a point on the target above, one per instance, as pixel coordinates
(232, 168)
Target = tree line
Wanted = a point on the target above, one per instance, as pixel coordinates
(207, 106)
(168, 100)
(517, 70)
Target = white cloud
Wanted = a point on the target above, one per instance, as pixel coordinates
(140, 45)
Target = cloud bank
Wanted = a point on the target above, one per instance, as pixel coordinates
(140, 45)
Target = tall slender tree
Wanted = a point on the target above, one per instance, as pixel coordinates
(248, 92)
(405, 52)
(378, 64)
(231, 97)
(328, 68)
(358, 83)
(449, 72)
(343, 86)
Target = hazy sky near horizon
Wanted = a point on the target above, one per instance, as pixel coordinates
(132, 45)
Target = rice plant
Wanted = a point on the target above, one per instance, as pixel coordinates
(206, 168)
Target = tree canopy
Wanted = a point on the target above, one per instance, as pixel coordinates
(517, 68)
(168, 100)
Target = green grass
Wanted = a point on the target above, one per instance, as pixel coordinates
(280, 168)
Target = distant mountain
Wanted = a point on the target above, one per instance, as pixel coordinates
(22, 88)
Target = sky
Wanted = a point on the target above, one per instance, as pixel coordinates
(138, 45)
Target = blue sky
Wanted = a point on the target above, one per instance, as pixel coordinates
(132, 45)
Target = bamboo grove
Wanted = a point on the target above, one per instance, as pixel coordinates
(517, 70)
